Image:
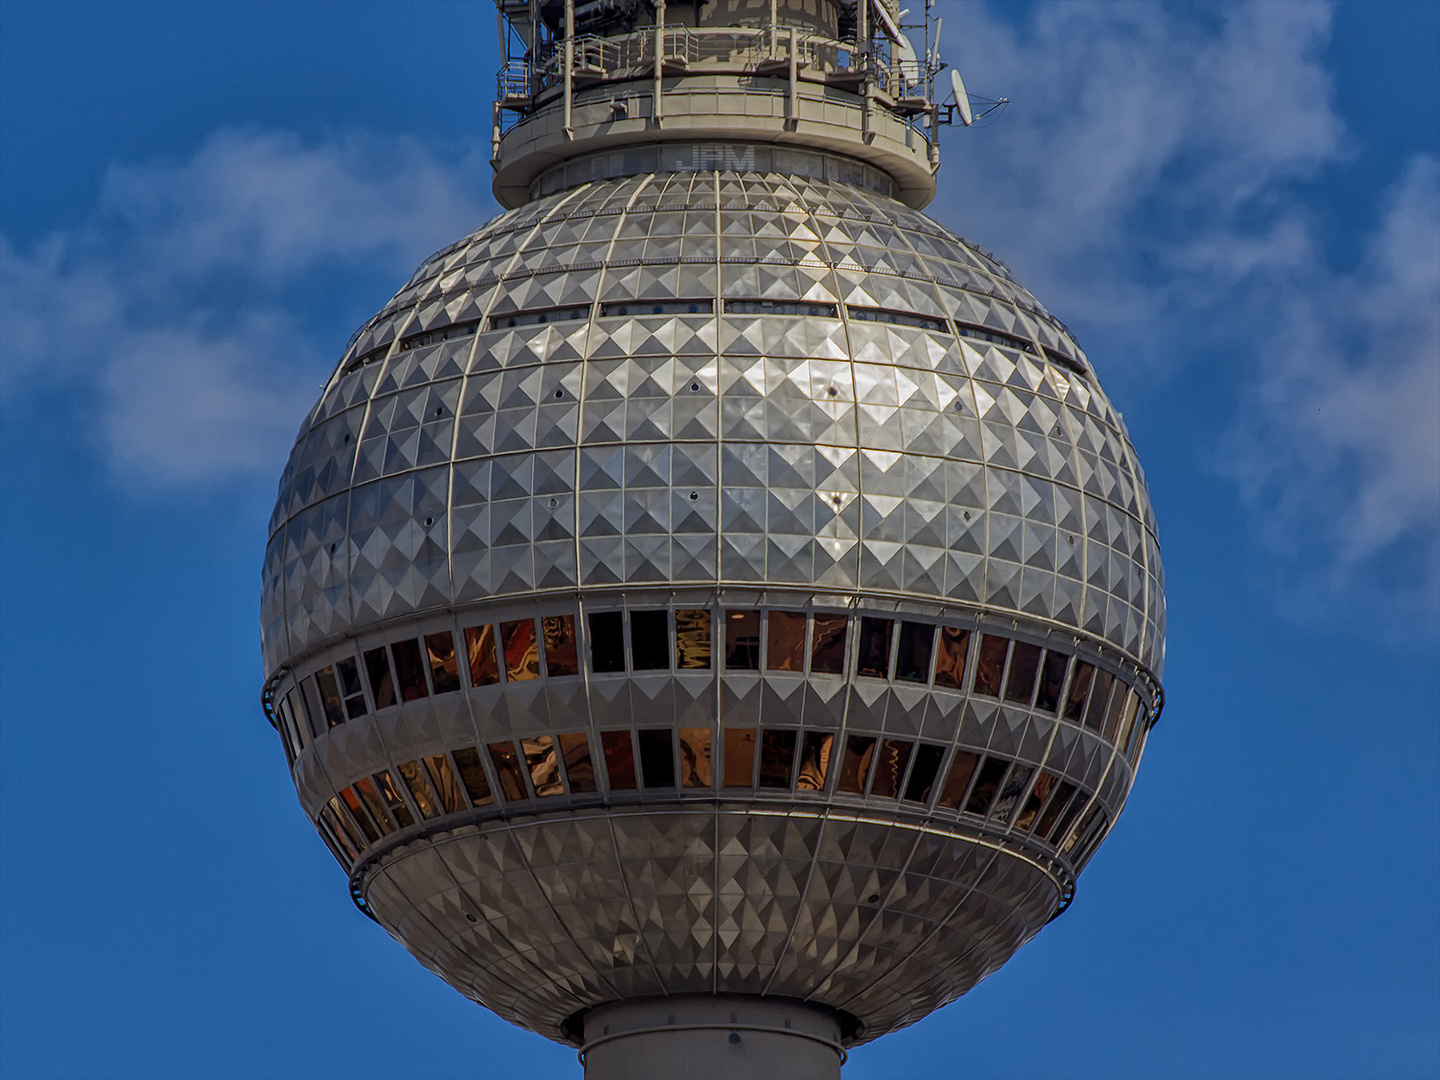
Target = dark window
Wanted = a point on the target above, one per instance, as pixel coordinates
(777, 753)
(522, 650)
(991, 665)
(560, 655)
(480, 645)
(898, 318)
(409, 670)
(1099, 695)
(859, 750)
(986, 786)
(1062, 827)
(1088, 829)
(579, 768)
(414, 777)
(541, 763)
(1024, 666)
(874, 656)
(827, 649)
(1135, 718)
(607, 642)
(890, 767)
(330, 696)
(650, 641)
(538, 317)
(780, 307)
(443, 777)
(1079, 690)
(950, 667)
(1052, 681)
(358, 815)
(507, 770)
(695, 757)
(1044, 785)
(923, 773)
(994, 337)
(382, 683)
(288, 739)
(1112, 714)
(371, 797)
(739, 757)
(912, 661)
(657, 757)
(692, 639)
(349, 677)
(304, 713)
(1064, 791)
(742, 640)
(619, 760)
(785, 646)
(444, 670)
(814, 761)
(1010, 794)
(656, 307)
(344, 831)
(472, 775)
(961, 770)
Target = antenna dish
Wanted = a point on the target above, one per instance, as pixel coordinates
(907, 61)
(962, 99)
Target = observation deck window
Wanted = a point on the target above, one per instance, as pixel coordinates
(394, 801)
(995, 337)
(414, 777)
(1064, 792)
(912, 659)
(443, 777)
(873, 658)
(472, 775)
(785, 647)
(1052, 681)
(855, 771)
(987, 786)
(507, 770)
(636, 308)
(692, 639)
(1099, 696)
(1090, 826)
(1010, 794)
(330, 696)
(781, 307)
(990, 667)
(650, 640)
(1024, 666)
(540, 316)
(619, 760)
(444, 670)
(739, 757)
(382, 682)
(950, 664)
(579, 766)
(522, 650)
(657, 757)
(607, 642)
(561, 657)
(898, 318)
(814, 761)
(695, 757)
(341, 830)
(1112, 713)
(348, 674)
(359, 816)
(541, 763)
(409, 669)
(1044, 785)
(1072, 810)
(828, 641)
(742, 640)
(957, 782)
(924, 772)
(375, 804)
(890, 766)
(1079, 691)
(777, 754)
(480, 645)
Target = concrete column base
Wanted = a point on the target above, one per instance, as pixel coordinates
(712, 1037)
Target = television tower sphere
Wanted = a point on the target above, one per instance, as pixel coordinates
(713, 613)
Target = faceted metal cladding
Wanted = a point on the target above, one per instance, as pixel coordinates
(706, 581)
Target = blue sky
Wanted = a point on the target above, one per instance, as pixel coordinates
(1236, 208)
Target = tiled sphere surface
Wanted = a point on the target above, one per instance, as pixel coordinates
(709, 394)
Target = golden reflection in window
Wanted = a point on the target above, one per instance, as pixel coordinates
(349, 676)
(444, 670)
(950, 665)
(912, 658)
(739, 757)
(561, 657)
(695, 757)
(382, 682)
(785, 648)
(358, 815)
(854, 770)
(391, 794)
(330, 696)
(443, 777)
(814, 761)
(1044, 785)
(873, 658)
(1051, 814)
(544, 768)
(619, 760)
(1052, 681)
(1099, 697)
(1088, 826)
(1079, 691)
(742, 640)
(472, 775)
(366, 788)
(522, 650)
(579, 768)
(923, 772)
(344, 829)
(1024, 666)
(777, 754)
(1112, 714)
(1010, 794)
(961, 770)
(987, 786)
(507, 770)
(480, 646)
(414, 778)
(827, 648)
(692, 639)
(991, 664)
(890, 767)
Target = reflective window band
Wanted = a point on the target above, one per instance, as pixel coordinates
(522, 650)
(540, 316)
(330, 696)
(543, 766)
(1010, 794)
(739, 757)
(344, 832)
(382, 683)
(742, 640)
(785, 642)
(912, 655)
(898, 318)
(1024, 666)
(890, 766)
(1052, 681)
(987, 786)
(622, 308)
(873, 658)
(414, 776)
(359, 815)
(777, 754)
(607, 642)
(695, 757)
(507, 770)
(394, 801)
(950, 663)
(561, 657)
(814, 761)
(365, 787)
(348, 675)
(990, 665)
(962, 769)
(692, 639)
(579, 767)
(446, 786)
(828, 640)
(480, 646)
(781, 307)
(619, 760)
(924, 772)
(650, 640)
(657, 757)
(859, 749)
(409, 669)
(472, 775)
(444, 669)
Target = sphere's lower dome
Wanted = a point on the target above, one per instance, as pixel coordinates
(708, 582)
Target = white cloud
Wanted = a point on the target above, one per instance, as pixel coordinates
(179, 309)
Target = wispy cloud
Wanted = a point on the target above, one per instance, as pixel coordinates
(178, 311)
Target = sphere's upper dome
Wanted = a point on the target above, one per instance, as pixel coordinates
(713, 581)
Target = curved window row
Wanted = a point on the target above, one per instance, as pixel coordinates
(684, 640)
(1005, 793)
